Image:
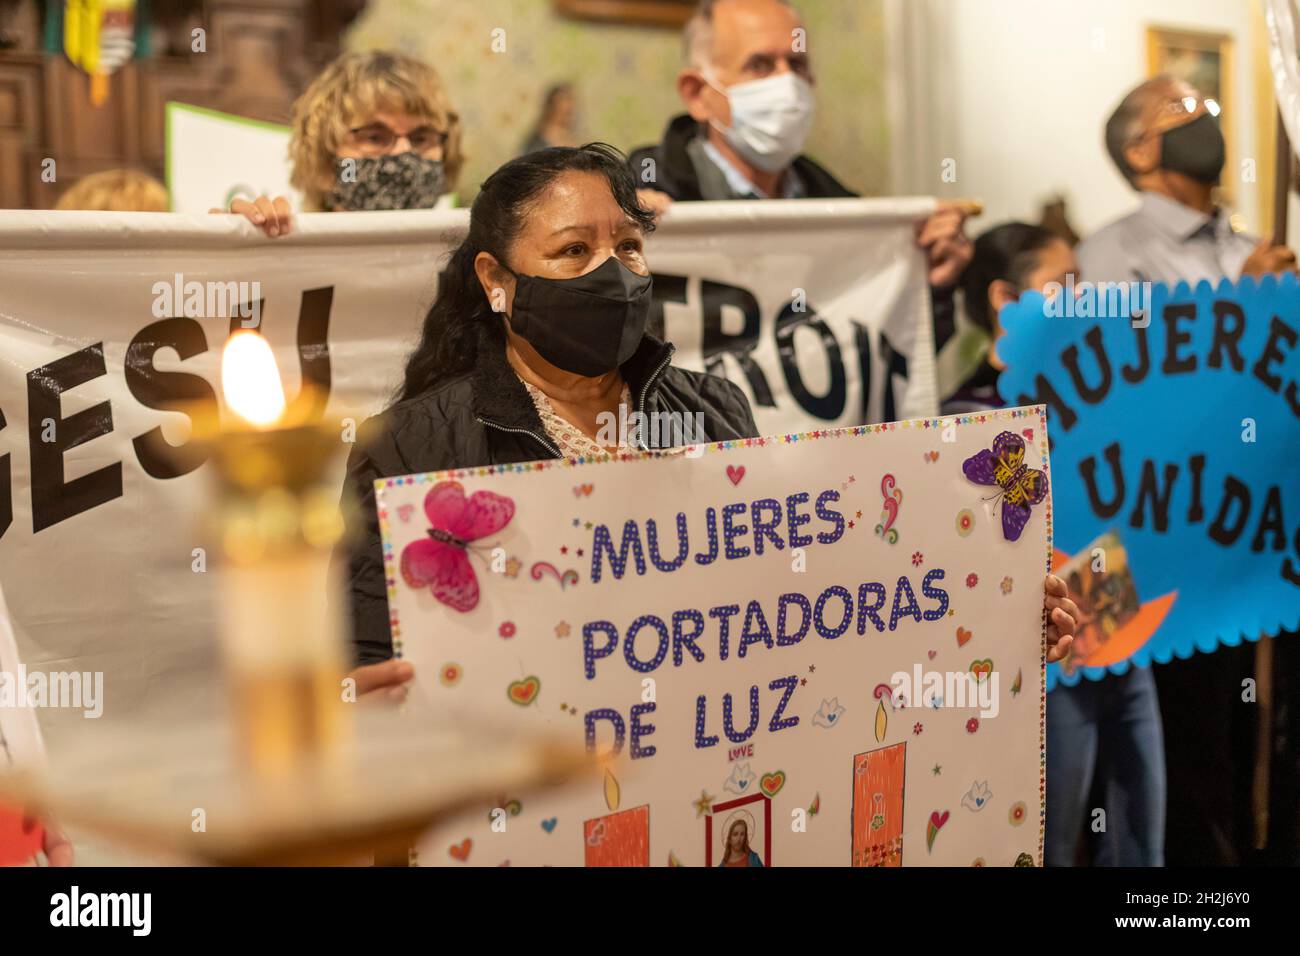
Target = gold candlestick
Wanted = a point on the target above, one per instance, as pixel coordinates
(277, 520)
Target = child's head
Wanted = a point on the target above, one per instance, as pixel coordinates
(116, 190)
(1010, 259)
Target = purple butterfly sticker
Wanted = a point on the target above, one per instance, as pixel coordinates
(1004, 466)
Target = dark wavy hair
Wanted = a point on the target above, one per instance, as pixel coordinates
(1008, 252)
(450, 339)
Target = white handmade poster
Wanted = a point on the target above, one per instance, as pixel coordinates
(816, 649)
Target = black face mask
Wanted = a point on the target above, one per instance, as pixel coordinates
(1195, 149)
(588, 325)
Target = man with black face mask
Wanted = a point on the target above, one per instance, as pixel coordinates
(1165, 140)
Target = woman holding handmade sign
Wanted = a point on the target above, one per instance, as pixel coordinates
(536, 348)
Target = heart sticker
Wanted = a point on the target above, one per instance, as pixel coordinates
(460, 851)
(981, 669)
(735, 473)
(963, 636)
(772, 783)
(524, 692)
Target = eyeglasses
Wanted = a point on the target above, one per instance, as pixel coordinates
(376, 139)
(1183, 105)
(1175, 110)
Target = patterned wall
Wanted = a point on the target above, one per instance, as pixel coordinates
(624, 76)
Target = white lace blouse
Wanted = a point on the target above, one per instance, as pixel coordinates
(571, 440)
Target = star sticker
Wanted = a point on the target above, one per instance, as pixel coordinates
(703, 804)
(579, 552)
(803, 682)
(562, 629)
(857, 514)
(512, 567)
(937, 770)
(812, 668)
(564, 549)
(576, 522)
(851, 524)
(852, 479)
(587, 526)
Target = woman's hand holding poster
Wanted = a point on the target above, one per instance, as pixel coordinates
(816, 649)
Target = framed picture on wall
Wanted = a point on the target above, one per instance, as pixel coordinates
(659, 13)
(1205, 60)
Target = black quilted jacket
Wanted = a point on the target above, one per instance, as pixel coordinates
(485, 417)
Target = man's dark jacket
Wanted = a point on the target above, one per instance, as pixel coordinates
(676, 175)
(485, 417)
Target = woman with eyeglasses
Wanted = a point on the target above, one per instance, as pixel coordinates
(374, 131)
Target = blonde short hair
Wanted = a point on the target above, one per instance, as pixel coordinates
(349, 91)
(116, 190)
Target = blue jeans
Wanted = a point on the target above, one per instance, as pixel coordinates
(1110, 727)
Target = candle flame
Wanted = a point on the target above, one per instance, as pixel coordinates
(250, 380)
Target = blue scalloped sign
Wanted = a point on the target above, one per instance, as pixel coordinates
(1179, 431)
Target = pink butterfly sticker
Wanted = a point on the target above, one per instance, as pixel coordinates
(440, 562)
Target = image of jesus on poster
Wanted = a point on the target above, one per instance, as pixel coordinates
(736, 849)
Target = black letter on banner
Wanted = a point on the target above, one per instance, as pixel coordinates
(6, 488)
(1291, 569)
(1070, 359)
(1227, 338)
(1233, 490)
(170, 391)
(1175, 338)
(1088, 469)
(1277, 330)
(716, 343)
(862, 342)
(667, 288)
(53, 499)
(895, 364)
(313, 349)
(1147, 488)
(1046, 395)
(831, 405)
(1134, 374)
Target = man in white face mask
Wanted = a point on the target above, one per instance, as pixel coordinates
(749, 90)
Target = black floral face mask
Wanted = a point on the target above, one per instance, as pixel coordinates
(369, 183)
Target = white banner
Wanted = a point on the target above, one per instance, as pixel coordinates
(1282, 18)
(819, 310)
